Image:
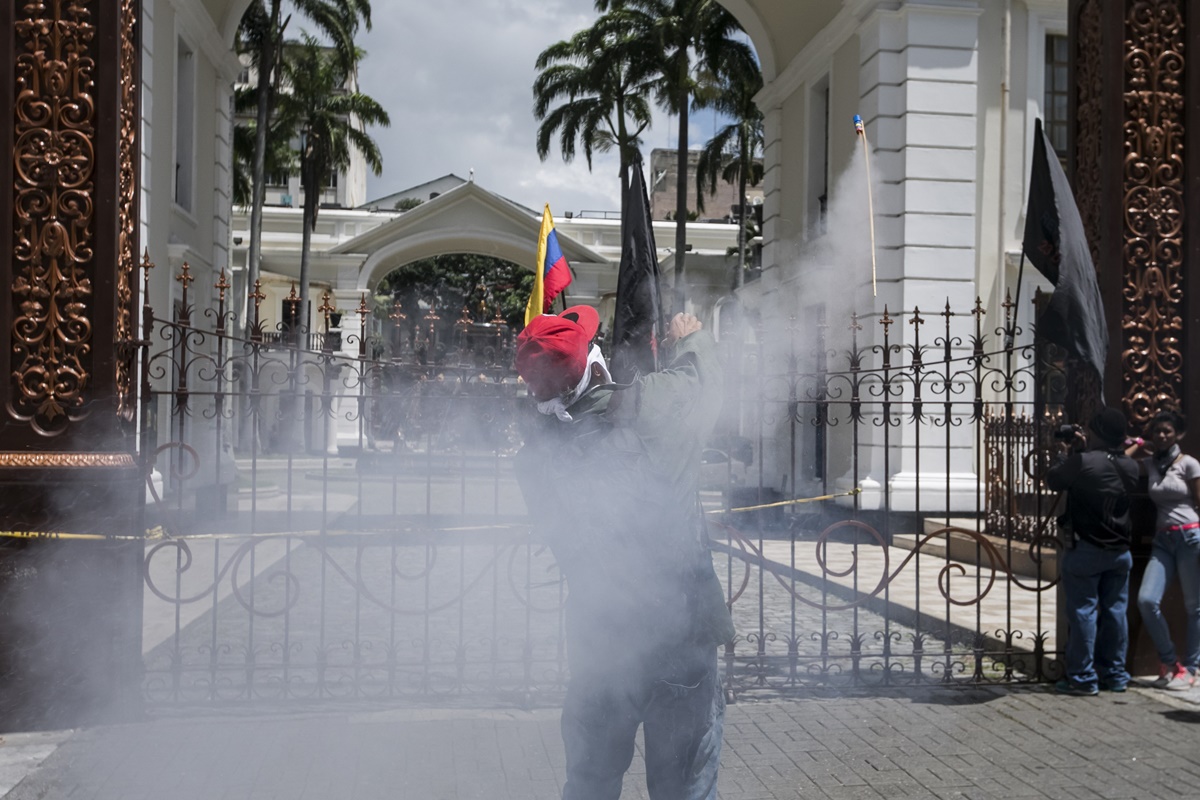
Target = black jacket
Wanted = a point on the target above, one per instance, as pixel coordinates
(1098, 483)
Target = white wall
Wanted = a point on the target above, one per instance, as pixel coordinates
(949, 185)
(197, 232)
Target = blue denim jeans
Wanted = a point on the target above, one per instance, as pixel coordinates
(1096, 593)
(1173, 554)
(673, 693)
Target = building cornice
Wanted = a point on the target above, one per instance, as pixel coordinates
(816, 57)
(810, 62)
(202, 30)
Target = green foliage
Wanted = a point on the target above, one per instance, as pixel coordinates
(407, 203)
(280, 158)
(259, 40)
(684, 38)
(263, 28)
(600, 78)
(689, 39)
(735, 152)
(448, 282)
(328, 118)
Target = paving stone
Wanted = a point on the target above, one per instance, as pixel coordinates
(924, 743)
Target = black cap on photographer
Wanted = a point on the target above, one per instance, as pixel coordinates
(1109, 424)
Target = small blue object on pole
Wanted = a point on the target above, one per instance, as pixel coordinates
(861, 131)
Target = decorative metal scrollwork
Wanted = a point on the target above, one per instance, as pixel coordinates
(127, 234)
(1089, 112)
(1153, 191)
(54, 235)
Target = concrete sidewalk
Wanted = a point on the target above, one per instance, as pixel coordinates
(1001, 742)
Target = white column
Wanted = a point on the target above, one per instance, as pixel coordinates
(918, 83)
(351, 425)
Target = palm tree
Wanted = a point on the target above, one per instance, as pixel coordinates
(685, 35)
(261, 37)
(329, 120)
(603, 76)
(279, 156)
(735, 151)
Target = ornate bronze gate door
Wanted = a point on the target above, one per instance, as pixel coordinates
(1136, 117)
(70, 484)
(1137, 190)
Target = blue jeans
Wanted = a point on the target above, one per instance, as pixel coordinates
(1173, 553)
(674, 693)
(1096, 591)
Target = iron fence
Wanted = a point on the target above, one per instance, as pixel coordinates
(333, 525)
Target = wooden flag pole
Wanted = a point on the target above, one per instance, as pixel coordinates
(862, 134)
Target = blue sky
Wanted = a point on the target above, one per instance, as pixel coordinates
(456, 79)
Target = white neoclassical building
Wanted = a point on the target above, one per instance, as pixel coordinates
(947, 89)
(353, 249)
(188, 74)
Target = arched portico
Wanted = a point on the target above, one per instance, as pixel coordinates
(419, 246)
(466, 219)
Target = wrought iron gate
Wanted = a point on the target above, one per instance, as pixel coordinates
(331, 524)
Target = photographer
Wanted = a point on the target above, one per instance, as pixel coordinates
(1097, 478)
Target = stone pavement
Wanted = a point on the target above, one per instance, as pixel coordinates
(1001, 742)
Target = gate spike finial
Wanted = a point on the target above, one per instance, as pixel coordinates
(257, 295)
(147, 265)
(325, 308)
(185, 279)
(147, 309)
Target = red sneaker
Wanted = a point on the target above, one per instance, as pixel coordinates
(1174, 677)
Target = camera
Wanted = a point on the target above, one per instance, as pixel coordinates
(1066, 433)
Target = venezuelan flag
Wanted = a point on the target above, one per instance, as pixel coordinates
(554, 274)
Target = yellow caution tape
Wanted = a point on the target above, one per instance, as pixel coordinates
(158, 532)
(61, 535)
(781, 503)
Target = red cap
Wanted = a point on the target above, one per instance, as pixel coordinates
(552, 351)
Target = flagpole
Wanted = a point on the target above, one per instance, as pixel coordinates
(861, 130)
(1012, 330)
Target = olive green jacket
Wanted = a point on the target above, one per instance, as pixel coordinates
(615, 493)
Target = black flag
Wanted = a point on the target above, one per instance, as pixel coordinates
(637, 321)
(1056, 244)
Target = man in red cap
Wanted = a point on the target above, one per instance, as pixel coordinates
(610, 476)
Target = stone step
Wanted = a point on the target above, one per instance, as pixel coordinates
(965, 544)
